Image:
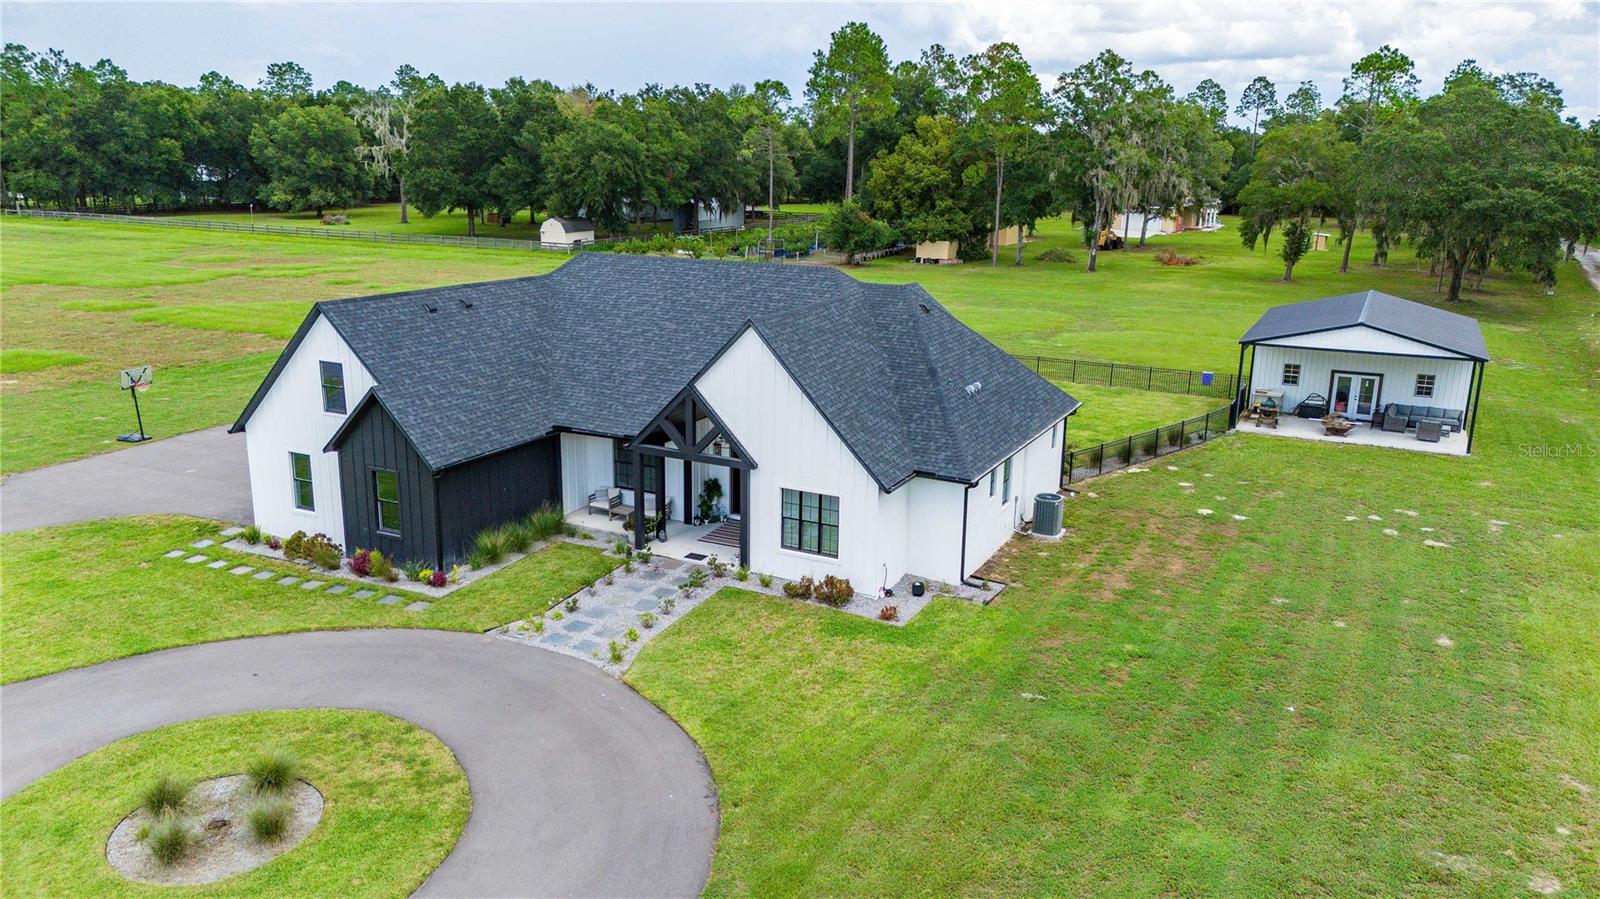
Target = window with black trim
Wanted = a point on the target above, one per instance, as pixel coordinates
(1052, 436)
(332, 387)
(300, 473)
(810, 523)
(993, 473)
(622, 468)
(1005, 492)
(386, 487)
(1291, 374)
(1425, 385)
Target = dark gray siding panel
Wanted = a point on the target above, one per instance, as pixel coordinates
(495, 489)
(376, 442)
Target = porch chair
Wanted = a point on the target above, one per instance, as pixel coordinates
(608, 499)
(1430, 430)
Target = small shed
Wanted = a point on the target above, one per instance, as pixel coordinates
(1006, 237)
(1373, 359)
(938, 252)
(1319, 241)
(566, 232)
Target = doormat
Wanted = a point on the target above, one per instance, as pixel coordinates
(695, 557)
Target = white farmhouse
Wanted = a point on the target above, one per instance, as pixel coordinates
(854, 429)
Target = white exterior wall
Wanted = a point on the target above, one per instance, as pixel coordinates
(795, 448)
(290, 419)
(585, 465)
(933, 528)
(1360, 339)
(1452, 377)
(551, 232)
(991, 520)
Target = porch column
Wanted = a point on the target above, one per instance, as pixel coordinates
(1477, 397)
(638, 500)
(688, 467)
(744, 513)
(1238, 390)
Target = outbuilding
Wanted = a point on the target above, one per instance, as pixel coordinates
(1412, 374)
(566, 232)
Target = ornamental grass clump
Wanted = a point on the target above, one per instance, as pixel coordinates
(164, 795)
(268, 819)
(546, 522)
(273, 771)
(488, 548)
(169, 838)
(519, 537)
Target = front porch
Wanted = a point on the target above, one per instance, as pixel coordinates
(684, 541)
(1362, 434)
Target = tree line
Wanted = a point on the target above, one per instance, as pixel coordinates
(942, 147)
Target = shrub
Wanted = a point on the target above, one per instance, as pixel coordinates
(538, 625)
(273, 771)
(274, 543)
(632, 635)
(620, 547)
(800, 589)
(718, 567)
(164, 794)
(648, 619)
(741, 574)
(268, 819)
(546, 522)
(437, 579)
(889, 613)
(169, 838)
(647, 555)
(556, 616)
(835, 591)
(295, 546)
(1166, 256)
(361, 563)
(765, 579)
(251, 535)
(1057, 254)
(326, 555)
(413, 569)
(455, 574)
(616, 653)
(519, 537)
(488, 548)
(382, 567)
(572, 603)
(1147, 443)
(306, 548)
(667, 605)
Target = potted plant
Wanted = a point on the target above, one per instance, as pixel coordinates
(710, 494)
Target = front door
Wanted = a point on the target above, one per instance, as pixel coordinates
(1355, 396)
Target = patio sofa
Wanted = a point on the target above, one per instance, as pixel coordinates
(1399, 417)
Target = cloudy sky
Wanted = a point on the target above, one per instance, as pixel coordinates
(624, 45)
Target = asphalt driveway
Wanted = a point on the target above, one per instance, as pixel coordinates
(202, 473)
(580, 787)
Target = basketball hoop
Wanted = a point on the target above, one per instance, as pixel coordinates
(135, 380)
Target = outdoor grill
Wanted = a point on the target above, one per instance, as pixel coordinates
(1313, 406)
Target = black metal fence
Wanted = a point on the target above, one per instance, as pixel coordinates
(1114, 455)
(1138, 377)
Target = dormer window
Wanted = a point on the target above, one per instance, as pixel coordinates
(332, 387)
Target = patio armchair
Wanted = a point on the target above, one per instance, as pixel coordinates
(608, 499)
(1430, 430)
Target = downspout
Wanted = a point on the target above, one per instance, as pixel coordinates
(961, 564)
(438, 527)
(1477, 397)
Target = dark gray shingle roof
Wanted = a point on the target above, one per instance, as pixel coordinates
(572, 224)
(605, 342)
(1426, 324)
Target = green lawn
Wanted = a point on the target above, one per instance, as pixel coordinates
(1136, 715)
(395, 804)
(1111, 412)
(210, 311)
(383, 217)
(84, 593)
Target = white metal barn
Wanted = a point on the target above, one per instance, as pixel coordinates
(566, 232)
(855, 429)
(1394, 365)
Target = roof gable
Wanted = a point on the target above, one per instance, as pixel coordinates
(1438, 328)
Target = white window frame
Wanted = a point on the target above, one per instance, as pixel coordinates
(295, 481)
(1432, 386)
(1291, 379)
(1006, 480)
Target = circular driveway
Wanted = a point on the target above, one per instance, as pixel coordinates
(579, 785)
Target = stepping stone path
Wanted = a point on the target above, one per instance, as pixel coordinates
(1278, 601)
(1436, 543)
(1238, 517)
(202, 544)
(363, 594)
(240, 569)
(1172, 468)
(1391, 532)
(264, 574)
(172, 555)
(1205, 511)
(1339, 624)
(389, 600)
(232, 532)
(195, 559)
(1186, 485)
(338, 588)
(418, 606)
(1352, 518)
(311, 585)
(288, 579)
(1374, 517)
(1444, 641)
(1407, 512)
(217, 564)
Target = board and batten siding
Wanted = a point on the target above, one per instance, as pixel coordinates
(795, 448)
(290, 419)
(493, 490)
(991, 520)
(1452, 377)
(375, 442)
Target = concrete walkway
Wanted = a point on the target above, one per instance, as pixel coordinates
(579, 785)
(202, 473)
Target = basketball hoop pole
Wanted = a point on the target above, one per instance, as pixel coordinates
(137, 415)
(136, 379)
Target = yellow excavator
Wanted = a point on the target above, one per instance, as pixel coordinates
(1111, 240)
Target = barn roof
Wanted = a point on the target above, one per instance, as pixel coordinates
(1428, 325)
(603, 343)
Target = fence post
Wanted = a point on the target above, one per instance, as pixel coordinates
(1037, 361)
(1190, 388)
(1150, 379)
(1074, 369)
(1111, 377)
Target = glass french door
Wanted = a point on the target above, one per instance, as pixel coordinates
(1355, 396)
